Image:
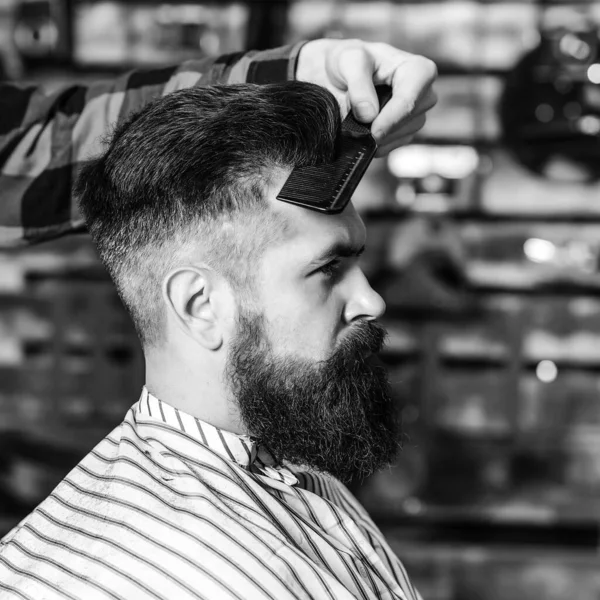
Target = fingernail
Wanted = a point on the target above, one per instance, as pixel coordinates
(365, 111)
(378, 135)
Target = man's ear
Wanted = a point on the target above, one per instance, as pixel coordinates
(189, 293)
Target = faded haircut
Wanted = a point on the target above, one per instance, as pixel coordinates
(189, 171)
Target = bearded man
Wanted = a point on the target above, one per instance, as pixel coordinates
(263, 393)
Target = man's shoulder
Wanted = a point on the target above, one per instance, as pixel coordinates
(131, 506)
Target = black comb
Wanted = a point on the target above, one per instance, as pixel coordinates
(329, 187)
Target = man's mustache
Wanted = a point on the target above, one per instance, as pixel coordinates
(366, 337)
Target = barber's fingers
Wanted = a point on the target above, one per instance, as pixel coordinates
(355, 67)
(352, 69)
(425, 103)
(409, 126)
(398, 137)
(411, 78)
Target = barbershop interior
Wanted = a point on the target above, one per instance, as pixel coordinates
(483, 238)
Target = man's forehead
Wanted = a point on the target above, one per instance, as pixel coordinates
(314, 228)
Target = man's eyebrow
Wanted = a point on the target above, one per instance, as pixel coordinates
(337, 250)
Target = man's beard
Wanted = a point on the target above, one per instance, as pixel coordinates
(336, 416)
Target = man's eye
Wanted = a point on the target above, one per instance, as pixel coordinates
(331, 268)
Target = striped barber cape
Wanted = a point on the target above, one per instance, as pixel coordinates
(168, 507)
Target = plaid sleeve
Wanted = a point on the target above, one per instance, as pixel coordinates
(44, 138)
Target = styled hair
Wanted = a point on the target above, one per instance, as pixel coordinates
(190, 171)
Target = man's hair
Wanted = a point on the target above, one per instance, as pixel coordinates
(190, 171)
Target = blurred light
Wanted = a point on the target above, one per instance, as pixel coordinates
(413, 506)
(530, 39)
(452, 162)
(593, 73)
(432, 203)
(433, 184)
(575, 47)
(564, 169)
(410, 161)
(210, 42)
(540, 251)
(582, 255)
(544, 113)
(589, 125)
(405, 194)
(36, 40)
(12, 275)
(546, 371)
(77, 407)
(185, 13)
(457, 162)
(591, 96)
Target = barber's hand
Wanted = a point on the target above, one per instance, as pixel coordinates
(350, 69)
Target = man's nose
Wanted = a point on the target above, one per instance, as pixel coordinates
(365, 302)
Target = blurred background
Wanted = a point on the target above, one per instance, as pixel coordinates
(484, 240)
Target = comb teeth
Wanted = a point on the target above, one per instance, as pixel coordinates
(326, 186)
(329, 187)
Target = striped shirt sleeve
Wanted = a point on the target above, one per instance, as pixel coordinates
(45, 137)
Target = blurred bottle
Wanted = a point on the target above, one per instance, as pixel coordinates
(41, 32)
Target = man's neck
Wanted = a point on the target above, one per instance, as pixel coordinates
(194, 392)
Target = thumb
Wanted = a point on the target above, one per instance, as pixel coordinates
(356, 67)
